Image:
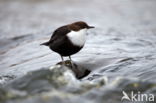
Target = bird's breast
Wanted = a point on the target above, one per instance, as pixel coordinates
(77, 38)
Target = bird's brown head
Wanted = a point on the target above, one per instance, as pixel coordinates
(76, 26)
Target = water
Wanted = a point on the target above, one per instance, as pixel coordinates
(119, 53)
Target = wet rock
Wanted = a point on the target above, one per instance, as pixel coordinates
(79, 70)
(55, 81)
(58, 84)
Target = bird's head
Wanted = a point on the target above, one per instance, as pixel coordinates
(76, 26)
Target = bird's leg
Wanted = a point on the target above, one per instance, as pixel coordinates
(70, 58)
(71, 61)
(62, 60)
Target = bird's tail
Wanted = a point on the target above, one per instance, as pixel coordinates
(46, 44)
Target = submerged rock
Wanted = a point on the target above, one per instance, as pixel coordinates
(54, 80)
(59, 84)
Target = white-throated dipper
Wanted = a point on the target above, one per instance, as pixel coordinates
(68, 39)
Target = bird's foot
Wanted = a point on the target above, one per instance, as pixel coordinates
(66, 63)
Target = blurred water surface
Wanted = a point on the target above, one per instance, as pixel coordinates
(122, 45)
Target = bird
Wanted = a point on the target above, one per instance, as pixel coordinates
(68, 39)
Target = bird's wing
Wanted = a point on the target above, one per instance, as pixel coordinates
(59, 37)
(59, 33)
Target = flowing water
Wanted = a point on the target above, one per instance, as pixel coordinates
(119, 55)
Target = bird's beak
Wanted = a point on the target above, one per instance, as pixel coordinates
(90, 27)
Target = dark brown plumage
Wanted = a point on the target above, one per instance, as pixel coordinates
(60, 41)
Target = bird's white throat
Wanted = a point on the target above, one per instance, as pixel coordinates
(78, 38)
